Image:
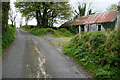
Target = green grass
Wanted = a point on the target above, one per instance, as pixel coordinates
(98, 52)
(59, 41)
(8, 37)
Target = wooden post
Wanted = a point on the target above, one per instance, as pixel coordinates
(97, 27)
(79, 30)
(88, 28)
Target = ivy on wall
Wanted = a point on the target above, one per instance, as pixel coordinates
(5, 9)
(110, 25)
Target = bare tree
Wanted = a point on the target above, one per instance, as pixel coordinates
(12, 16)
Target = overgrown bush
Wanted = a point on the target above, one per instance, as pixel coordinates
(65, 32)
(48, 31)
(97, 51)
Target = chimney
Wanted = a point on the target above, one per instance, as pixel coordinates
(118, 16)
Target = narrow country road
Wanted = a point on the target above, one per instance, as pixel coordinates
(33, 57)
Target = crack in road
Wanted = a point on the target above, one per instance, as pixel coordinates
(41, 72)
(41, 62)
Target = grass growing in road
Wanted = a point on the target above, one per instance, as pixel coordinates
(98, 52)
(58, 42)
(8, 37)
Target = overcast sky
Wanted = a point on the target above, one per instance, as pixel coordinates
(97, 5)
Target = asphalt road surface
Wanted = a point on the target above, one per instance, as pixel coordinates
(33, 57)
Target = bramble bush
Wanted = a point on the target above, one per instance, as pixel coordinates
(98, 52)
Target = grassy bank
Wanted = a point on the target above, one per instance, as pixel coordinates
(98, 52)
(47, 31)
(8, 37)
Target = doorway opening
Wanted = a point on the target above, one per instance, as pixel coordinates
(82, 28)
(99, 27)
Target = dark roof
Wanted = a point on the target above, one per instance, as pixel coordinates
(96, 18)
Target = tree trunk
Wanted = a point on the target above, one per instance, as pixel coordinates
(44, 17)
(37, 18)
(12, 23)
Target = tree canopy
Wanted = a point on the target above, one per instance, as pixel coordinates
(45, 13)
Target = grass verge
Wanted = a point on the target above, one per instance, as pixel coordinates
(98, 52)
(8, 37)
